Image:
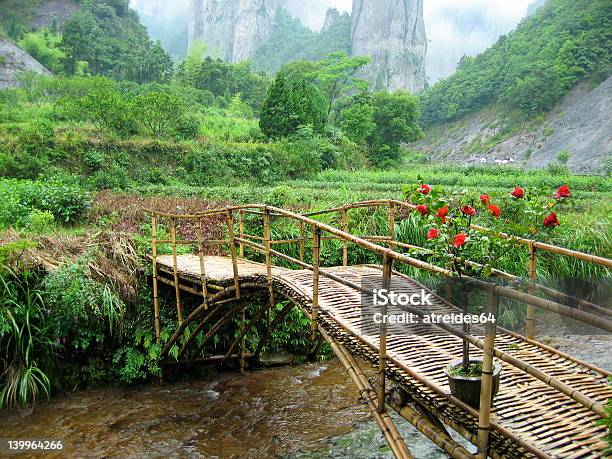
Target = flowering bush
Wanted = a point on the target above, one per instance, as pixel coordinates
(447, 220)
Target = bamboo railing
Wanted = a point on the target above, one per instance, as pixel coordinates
(238, 243)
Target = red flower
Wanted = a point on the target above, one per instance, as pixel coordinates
(563, 192)
(442, 213)
(468, 210)
(460, 239)
(422, 209)
(425, 189)
(485, 198)
(518, 192)
(433, 233)
(495, 211)
(551, 220)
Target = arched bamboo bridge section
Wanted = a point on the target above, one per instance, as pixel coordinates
(548, 404)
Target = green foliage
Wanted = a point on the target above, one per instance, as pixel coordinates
(25, 345)
(530, 68)
(159, 113)
(85, 313)
(357, 120)
(221, 79)
(66, 203)
(563, 156)
(105, 107)
(290, 41)
(336, 75)
(44, 47)
(396, 118)
(290, 105)
(109, 38)
(40, 221)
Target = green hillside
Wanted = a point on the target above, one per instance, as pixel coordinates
(102, 37)
(291, 41)
(531, 68)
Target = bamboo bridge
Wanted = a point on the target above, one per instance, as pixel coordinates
(549, 403)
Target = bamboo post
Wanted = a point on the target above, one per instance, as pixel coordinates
(391, 221)
(243, 342)
(345, 229)
(382, 356)
(267, 237)
(232, 240)
(486, 382)
(302, 240)
(367, 392)
(203, 280)
(241, 231)
(155, 287)
(316, 254)
(177, 289)
(530, 320)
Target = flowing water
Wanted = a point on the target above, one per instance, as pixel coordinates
(305, 411)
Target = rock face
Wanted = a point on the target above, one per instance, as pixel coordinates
(332, 16)
(231, 29)
(579, 125)
(392, 32)
(13, 61)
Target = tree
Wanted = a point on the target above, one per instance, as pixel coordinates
(43, 46)
(109, 37)
(223, 79)
(274, 119)
(357, 120)
(158, 112)
(337, 75)
(290, 105)
(396, 118)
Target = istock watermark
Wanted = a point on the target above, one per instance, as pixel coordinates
(384, 297)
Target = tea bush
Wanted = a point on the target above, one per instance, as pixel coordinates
(65, 202)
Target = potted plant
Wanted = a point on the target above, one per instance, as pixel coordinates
(446, 220)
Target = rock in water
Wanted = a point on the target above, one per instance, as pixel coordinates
(392, 33)
(14, 61)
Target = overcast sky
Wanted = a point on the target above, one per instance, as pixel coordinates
(454, 27)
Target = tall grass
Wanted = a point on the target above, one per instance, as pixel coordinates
(24, 344)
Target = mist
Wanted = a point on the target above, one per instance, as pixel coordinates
(454, 27)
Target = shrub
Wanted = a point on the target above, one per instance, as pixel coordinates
(105, 107)
(40, 221)
(158, 113)
(67, 203)
(188, 127)
(44, 47)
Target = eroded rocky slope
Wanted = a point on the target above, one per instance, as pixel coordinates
(578, 132)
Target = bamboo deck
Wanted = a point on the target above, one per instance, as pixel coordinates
(417, 354)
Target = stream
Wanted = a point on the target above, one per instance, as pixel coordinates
(304, 411)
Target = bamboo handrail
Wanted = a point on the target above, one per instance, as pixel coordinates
(382, 202)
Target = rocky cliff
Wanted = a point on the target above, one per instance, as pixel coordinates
(392, 32)
(577, 132)
(231, 29)
(13, 61)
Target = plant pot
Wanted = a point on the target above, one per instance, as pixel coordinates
(467, 388)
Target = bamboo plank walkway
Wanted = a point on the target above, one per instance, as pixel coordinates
(417, 354)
